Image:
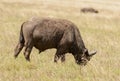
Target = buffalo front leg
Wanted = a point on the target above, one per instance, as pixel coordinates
(63, 58)
(18, 49)
(56, 58)
(59, 54)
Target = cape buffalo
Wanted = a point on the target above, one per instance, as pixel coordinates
(91, 10)
(46, 33)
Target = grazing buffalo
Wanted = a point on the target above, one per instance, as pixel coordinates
(91, 10)
(46, 33)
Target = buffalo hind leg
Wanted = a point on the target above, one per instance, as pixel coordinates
(27, 53)
(18, 49)
(28, 49)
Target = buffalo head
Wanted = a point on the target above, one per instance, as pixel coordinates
(85, 57)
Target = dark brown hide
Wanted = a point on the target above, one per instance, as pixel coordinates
(46, 33)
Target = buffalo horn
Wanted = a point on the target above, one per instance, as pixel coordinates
(93, 53)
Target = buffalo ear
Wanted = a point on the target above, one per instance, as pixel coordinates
(86, 52)
(92, 53)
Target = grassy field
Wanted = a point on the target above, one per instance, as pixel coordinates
(99, 31)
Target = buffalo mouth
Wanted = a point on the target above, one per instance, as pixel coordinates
(82, 63)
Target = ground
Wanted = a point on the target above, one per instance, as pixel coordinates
(99, 31)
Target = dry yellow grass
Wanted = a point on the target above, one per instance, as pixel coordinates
(99, 31)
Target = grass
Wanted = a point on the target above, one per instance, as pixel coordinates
(99, 31)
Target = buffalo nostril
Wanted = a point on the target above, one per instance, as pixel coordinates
(82, 58)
